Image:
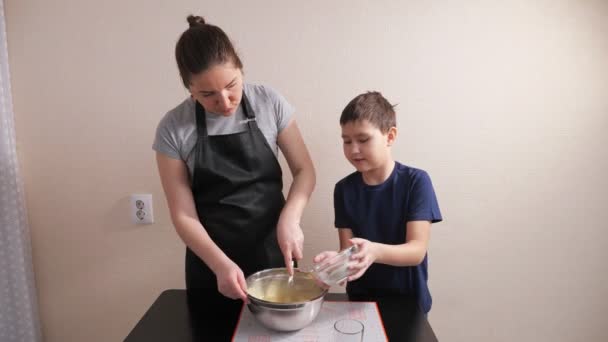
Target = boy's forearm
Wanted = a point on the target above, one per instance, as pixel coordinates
(408, 254)
(345, 234)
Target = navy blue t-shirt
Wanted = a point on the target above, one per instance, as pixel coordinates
(379, 213)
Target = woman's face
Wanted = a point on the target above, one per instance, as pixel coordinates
(218, 89)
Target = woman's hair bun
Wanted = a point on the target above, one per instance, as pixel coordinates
(195, 20)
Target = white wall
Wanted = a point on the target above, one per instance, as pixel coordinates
(503, 103)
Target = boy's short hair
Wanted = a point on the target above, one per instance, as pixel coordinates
(370, 106)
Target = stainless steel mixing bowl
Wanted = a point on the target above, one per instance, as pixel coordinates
(280, 305)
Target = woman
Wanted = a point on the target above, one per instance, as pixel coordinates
(217, 158)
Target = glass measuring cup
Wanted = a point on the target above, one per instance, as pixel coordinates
(348, 330)
(334, 270)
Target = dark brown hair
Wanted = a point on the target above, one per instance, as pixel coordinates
(373, 107)
(202, 46)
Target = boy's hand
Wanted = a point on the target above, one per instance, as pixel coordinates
(231, 281)
(362, 260)
(323, 256)
(291, 242)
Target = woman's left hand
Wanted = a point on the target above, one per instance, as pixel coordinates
(291, 241)
(363, 259)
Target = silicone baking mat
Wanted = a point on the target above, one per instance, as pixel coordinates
(322, 329)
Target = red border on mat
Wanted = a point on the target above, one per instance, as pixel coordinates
(238, 322)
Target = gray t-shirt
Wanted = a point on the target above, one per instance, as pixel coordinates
(176, 132)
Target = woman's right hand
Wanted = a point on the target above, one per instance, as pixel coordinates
(231, 281)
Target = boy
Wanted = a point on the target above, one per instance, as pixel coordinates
(385, 208)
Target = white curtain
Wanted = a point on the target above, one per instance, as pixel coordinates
(18, 305)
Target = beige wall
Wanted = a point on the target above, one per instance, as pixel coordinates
(503, 103)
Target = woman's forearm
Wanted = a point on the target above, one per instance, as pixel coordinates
(191, 231)
(299, 193)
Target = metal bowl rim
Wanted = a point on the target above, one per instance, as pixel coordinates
(281, 306)
(285, 306)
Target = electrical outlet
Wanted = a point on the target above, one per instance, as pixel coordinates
(141, 209)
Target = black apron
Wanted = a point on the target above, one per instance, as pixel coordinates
(237, 187)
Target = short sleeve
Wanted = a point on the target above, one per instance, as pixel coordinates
(165, 140)
(423, 205)
(283, 110)
(340, 219)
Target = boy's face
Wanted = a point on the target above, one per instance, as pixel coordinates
(365, 146)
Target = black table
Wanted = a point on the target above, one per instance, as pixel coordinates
(176, 316)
